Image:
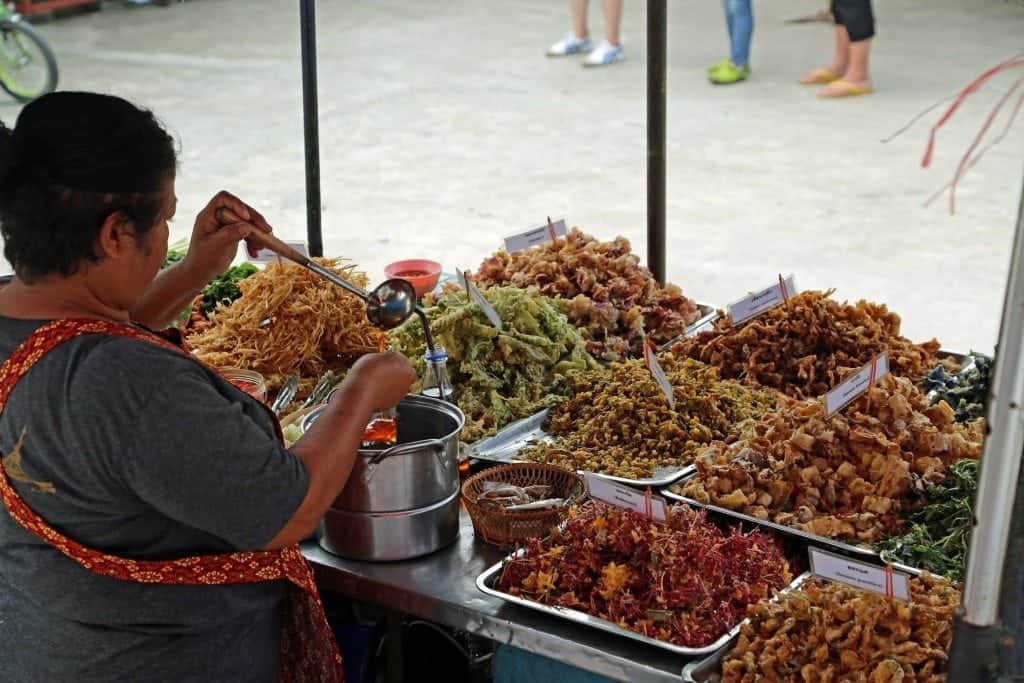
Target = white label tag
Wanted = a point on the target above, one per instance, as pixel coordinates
(476, 297)
(606, 491)
(267, 256)
(651, 359)
(881, 580)
(857, 384)
(757, 303)
(531, 238)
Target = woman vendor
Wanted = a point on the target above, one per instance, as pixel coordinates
(151, 511)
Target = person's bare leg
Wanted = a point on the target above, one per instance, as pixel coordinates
(579, 18)
(613, 21)
(840, 59)
(857, 71)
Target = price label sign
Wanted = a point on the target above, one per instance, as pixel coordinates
(651, 360)
(476, 297)
(857, 384)
(881, 580)
(606, 491)
(756, 303)
(548, 232)
(267, 256)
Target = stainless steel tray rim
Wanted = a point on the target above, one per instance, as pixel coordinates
(595, 622)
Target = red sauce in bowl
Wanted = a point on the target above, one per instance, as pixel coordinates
(411, 273)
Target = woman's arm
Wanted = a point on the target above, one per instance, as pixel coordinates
(210, 252)
(330, 447)
(171, 293)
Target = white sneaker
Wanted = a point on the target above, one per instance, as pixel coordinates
(605, 54)
(569, 45)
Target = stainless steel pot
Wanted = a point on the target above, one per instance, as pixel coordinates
(420, 470)
(390, 536)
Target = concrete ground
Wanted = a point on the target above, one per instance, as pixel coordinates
(444, 128)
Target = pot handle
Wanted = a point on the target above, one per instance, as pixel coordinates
(434, 444)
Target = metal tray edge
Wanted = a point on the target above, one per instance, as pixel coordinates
(578, 617)
(775, 526)
(709, 314)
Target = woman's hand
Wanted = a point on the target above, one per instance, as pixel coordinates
(385, 379)
(217, 233)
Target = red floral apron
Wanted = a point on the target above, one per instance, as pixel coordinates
(308, 649)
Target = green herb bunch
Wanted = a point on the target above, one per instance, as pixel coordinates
(939, 533)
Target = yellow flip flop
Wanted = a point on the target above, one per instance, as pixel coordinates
(819, 77)
(837, 89)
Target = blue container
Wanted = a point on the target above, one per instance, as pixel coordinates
(512, 665)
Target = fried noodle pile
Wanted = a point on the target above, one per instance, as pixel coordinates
(289, 321)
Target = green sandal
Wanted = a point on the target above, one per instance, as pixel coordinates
(728, 74)
(715, 67)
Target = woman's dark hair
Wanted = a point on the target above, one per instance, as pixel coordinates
(72, 159)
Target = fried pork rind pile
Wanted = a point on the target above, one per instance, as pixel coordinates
(289, 321)
(618, 422)
(606, 292)
(803, 348)
(827, 632)
(498, 377)
(686, 582)
(852, 476)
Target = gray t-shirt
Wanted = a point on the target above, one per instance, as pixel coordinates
(150, 456)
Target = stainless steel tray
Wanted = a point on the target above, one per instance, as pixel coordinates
(804, 536)
(485, 582)
(504, 446)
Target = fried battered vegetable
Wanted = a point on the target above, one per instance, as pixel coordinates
(804, 348)
(602, 289)
(499, 377)
(827, 631)
(852, 476)
(686, 582)
(619, 423)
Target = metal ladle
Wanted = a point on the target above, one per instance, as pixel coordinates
(387, 306)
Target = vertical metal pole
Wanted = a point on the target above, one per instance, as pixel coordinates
(977, 633)
(657, 48)
(311, 126)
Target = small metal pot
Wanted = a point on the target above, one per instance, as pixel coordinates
(390, 536)
(419, 471)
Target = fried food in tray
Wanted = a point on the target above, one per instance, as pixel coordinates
(804, 347)
(686, 582)
(603, 290)
(618, 421)
(851, 477)
(827, 632)
(289, 321)
(498, 377)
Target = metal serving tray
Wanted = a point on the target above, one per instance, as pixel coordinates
(485, 582)
(504, 446)
(814, 539)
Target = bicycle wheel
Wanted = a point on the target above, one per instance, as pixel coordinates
(28, 67)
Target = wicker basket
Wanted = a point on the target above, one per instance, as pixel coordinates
(503, 528)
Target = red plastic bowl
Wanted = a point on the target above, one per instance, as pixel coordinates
(420, 273)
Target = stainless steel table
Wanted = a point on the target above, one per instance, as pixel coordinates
(442, 588)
